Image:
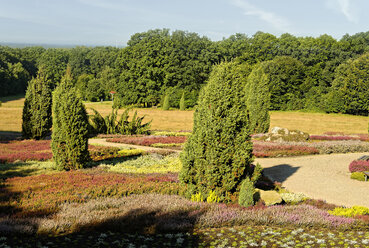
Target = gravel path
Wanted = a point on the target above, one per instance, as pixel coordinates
(323, 177)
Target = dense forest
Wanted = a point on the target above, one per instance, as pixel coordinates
(319, 74)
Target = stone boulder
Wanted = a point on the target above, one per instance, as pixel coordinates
(279, 134)
(270, 197)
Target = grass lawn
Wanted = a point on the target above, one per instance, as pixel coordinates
(175, 120)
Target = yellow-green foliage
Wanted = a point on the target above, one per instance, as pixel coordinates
(160, 145)
(130, 152)
(147, 164)
(212, 197)
(357, 175)
(350, 212)
(22, 169)
(166, 133)
(293, 198)
(198, 197)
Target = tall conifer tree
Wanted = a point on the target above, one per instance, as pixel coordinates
(218, 154)
(36, 115)
(70, 127)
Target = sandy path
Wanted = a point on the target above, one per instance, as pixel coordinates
(103, 142)
(320, 177)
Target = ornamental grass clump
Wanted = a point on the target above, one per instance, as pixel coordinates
(218, 154)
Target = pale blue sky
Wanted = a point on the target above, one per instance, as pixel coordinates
(112, 22)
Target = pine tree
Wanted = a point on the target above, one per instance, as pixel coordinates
(258, 100)
(70, 127)
(36, 117)
(166, 104)
(218, 154)
(182, 104)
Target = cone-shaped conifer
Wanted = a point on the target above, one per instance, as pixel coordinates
(70, 127)
(36, 117)
(218, 154)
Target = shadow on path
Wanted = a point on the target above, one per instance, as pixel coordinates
(280, 172)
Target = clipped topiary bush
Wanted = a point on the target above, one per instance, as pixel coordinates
(258, 100)
(36, 116)
(218, 154)
(70, 127)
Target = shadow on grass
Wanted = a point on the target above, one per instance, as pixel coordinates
(9, 135)
(18, 169)
(5, 99)
(139, 227)
(280, 172)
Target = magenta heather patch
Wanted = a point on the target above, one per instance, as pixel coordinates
(359, 165)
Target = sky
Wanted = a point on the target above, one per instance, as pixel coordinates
(112, 22)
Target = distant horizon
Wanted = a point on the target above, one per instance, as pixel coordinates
(113, 22)
(71, 45)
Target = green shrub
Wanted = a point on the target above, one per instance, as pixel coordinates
(246, 196)
(36, 116)
(166, 104)
(70, 127)
(182, 103)
(218, 154)
(350, 212)
(258, 100)
(358, 176)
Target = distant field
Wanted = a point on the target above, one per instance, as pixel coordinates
(175, 120)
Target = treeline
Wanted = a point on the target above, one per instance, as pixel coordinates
(321, 74)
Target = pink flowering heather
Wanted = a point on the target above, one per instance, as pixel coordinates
(359, 165)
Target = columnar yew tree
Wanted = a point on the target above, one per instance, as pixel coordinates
(36, 115)
(70, 127)
(166, 104)
(182, 104)
(258, 100)
(218, 154)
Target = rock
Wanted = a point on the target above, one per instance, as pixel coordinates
(270, 197)
(279, 134)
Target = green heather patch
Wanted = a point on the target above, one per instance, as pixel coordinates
(152, 163)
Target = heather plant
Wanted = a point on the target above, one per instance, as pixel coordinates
(148, 140)
(359, 166)
(360, 176)
(152, 163)
(258, 100)
(218, 154)
(36, 116)
(70, 127)
(350, 212)
(168, 133)
(293, 198)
